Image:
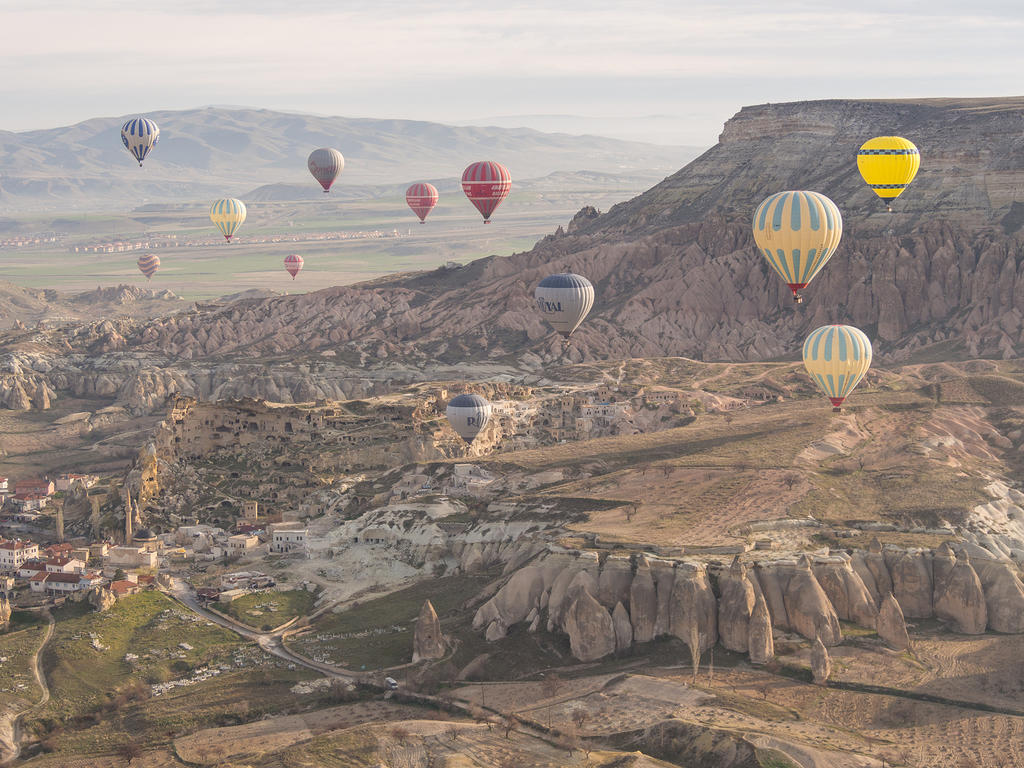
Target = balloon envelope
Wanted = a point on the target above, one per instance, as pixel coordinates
(326, 165)
(293, 264)
(888, 164)
(228, 214)
(564, 300)
(421, 198)
(468, 414)
(797, 232)
(148, 263)
(486, 184)
(139, 135)
(837, 357)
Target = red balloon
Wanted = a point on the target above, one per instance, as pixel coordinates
(421, 198)
(293, 263)
(486, 184)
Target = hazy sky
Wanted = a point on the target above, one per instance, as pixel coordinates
(663, 71)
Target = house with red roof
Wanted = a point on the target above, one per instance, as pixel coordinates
(14, 553)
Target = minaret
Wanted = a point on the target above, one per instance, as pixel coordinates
(127, 517)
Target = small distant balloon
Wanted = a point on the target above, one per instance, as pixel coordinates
(148, 263)
(421, 198)
(797, 232)
(293, 264)
(228, 214)
(837, 357)
(564, 300)
(486, 184)
(468, 414)
(139, 135)
(888, 164)
(326, 165)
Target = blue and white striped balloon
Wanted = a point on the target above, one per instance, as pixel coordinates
(139, 135)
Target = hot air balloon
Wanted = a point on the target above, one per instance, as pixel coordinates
(148, 263)
(139, 135)
(293, 263)
(564, 301)
(228, 214)
(421, 198)
(468, 414)
(837, 357)
(888, 165)
(326, 165)
(486, 184)
(797, 232)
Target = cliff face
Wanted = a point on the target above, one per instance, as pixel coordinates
(675, 269)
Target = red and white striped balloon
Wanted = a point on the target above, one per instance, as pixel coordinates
(486, 184)
(293, 263)
(148, 263)
(421, 198)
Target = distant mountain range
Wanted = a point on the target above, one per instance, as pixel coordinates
(220, 151)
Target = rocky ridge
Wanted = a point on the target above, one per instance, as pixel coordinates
(591, 599)
(675, 269)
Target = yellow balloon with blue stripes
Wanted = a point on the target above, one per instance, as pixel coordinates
(228, 214)
(837, 357)
(888, 165)
(797, 232)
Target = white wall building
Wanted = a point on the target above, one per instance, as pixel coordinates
(15, 552)
(288, 539)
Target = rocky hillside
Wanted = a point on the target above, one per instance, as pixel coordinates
(675, 269)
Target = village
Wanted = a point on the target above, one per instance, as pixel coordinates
(35, 570)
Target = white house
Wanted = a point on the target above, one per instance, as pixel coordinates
(242, 542)
(288, 538)
(131, 557)
(65, 565)
(14, 553)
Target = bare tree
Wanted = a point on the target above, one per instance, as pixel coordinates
(511, 724)
(552, 684)
(579, 717)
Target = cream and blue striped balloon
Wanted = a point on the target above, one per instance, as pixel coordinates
(837, 357)
(139, 135)
(228, 214)
(797, 232)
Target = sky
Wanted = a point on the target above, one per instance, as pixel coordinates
(661, 71)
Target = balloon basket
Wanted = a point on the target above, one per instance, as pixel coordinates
(837, 409)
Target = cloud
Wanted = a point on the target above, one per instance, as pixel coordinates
(364, 57)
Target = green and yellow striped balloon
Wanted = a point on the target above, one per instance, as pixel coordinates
(837, 357)
(797, 232)
(228, 214)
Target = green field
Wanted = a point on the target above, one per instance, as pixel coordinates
(454, 231)
(266, 610)
(16, 650)
(149, 625)
(385, 624)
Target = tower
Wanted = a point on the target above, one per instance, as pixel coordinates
(250, 510)
(127, 517)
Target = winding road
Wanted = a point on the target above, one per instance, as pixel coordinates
(270, 642)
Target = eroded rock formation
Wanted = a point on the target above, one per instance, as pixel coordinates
(590, 600)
